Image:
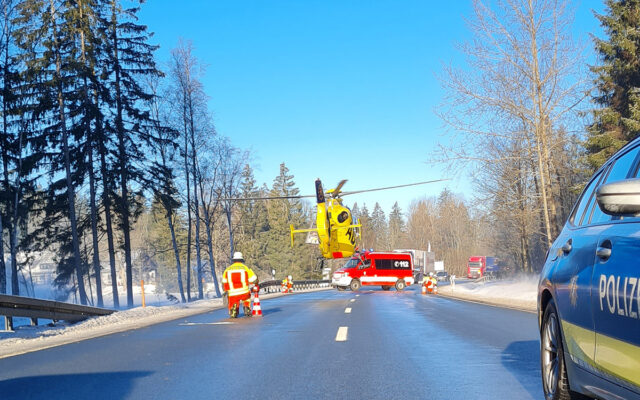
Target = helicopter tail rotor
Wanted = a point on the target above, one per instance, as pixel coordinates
(319, 191)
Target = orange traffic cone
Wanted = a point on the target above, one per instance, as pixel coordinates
(424, 289)
(257, 311)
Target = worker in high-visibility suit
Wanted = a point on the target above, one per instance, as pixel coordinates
(290, 283)
(287, 284)
(236, 280)
(434, 284)
(428, 282)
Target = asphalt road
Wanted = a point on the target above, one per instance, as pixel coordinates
(398, 345)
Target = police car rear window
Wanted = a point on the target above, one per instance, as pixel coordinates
(576, 217)
(393, 264)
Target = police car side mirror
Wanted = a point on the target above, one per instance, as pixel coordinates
(620, 198)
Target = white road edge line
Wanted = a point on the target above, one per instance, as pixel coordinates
(342, 334)
(347, 310)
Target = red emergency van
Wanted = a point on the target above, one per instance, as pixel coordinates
(375, 269)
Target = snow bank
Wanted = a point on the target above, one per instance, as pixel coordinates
(517, 292)
(30, 338)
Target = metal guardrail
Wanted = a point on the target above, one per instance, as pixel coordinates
(486, 278)
(18, 306)
(274, 286)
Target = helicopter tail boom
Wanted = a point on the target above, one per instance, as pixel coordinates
(294, 231)
(336, 228)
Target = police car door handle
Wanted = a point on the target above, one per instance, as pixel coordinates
(566, 249)
(603, 252)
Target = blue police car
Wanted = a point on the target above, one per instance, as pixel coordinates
(589, 290)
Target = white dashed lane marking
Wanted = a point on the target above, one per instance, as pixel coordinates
(342, 334)
(357, 295)
(206, 323)
(352, 300)
(347, 310)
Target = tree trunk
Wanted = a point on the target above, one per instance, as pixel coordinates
(186, 171)
(67, 166)
(15, 287)
(5, 153)
(196, 206)
(123, 161)
(94, 229)
(212, 263)
(92, 182)
(231, 244)
(176, 252)
(124, 215)
(106, 202)
(548, 205)
(3, 266)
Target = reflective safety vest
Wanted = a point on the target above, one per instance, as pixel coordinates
(236, 279)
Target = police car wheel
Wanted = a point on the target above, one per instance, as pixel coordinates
(554, 374)
(341, 288)
(386, 287)
(355, 285)
(400, 285)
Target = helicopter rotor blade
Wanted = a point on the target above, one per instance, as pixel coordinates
(335, 192)
(394, 187)
(268, 198)
(332, 192)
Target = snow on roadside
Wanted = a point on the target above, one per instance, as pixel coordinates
(29, 338)
(518, 292)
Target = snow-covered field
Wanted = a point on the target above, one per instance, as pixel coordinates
(517, 292)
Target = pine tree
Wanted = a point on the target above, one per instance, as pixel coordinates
(281, 214)
(367, 233)
(397, 228)
(11, 144)
(130, 59)
(253, 222)
(617, 121)
(379, 225)
(48, 40)
(85, 18)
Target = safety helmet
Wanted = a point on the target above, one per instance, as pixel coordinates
(430, 273)
(237, 256)
(290, 278)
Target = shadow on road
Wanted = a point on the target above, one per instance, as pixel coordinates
(522, 358)
(267, 311)
(106, 385)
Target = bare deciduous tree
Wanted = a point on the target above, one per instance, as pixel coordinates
(509, 109)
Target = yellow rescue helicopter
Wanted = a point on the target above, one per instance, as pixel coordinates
(335, 227)
(334, 224)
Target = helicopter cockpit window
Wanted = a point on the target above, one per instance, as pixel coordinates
(352, 263)
(343, 216)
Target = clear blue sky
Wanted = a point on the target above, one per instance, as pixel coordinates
(336, 89)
